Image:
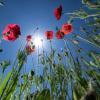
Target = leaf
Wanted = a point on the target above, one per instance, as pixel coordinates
(95, 59)
(74, 95)
(44, 95)
(3, 84)
(85, 62)
(93, 64)
(4, 65)
(21, 56)
(66, 53)
(84, 1)
(10, 88)
(11, 92)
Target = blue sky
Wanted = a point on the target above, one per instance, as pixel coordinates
(30, 14)
(34, 13)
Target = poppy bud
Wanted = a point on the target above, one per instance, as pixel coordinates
(58, 12)
(28, 38)
(49, 35)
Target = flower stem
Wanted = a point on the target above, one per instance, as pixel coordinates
(70, 54)
(87, 41)
(88, 16)
(38, 54)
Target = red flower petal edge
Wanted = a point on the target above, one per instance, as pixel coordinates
(49, 35)
(28, 38)
(67, 28)
(11, 32)
(59, 34)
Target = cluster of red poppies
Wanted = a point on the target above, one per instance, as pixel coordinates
(66, 28)
(12, 32)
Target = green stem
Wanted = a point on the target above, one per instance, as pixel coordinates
(44, 62)
(70, 54)
(88, 16)
(87, 41)
(38, 54)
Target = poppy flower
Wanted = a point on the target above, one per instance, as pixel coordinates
(67, 28)
(58, 12)
(49, 35)
(28, 38)
(59, 34)
(11, 32)
(30, 48)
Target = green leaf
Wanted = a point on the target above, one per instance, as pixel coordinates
(44, 95)
(11, 92)
(3, 84)
(4, 65)
(74, 95)
(21, 56)
(95, 60)
(93, 64)
(85, 62)
(66, 53)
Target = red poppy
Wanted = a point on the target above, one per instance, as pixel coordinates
(67, 28)
(49, 34)
(30, 48)
(11, 32)
(58, 12)
(59, 34)
(28, 38)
